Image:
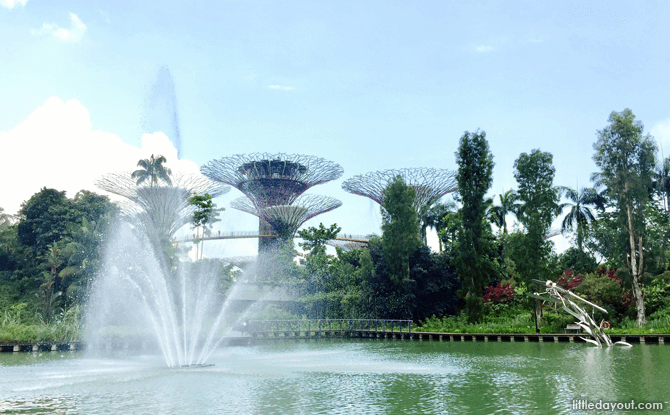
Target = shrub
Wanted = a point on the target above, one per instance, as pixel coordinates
(569, 280)
(657, 295)
(605, 289)
(498, 294)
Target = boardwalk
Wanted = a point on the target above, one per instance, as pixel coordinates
(273, 330)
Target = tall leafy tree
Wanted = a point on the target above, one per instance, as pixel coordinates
(152, 169)
(400, 228)
(580, 214)
(538, 207)
(43, 219)
(474, 245)
(626, 158)
(205, 215)
(316, 238)
(534, 174)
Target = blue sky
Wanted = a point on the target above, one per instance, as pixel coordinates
(370, 85)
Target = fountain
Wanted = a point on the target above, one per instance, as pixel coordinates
(146, 288)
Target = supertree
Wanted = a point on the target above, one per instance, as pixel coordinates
(273, 183)
(159, 210)
(286, 219)
(429, 184)
(346, 246)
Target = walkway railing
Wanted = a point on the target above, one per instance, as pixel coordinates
(255, 234)
(330, 328)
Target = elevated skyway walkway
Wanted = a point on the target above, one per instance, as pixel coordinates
(254, 234)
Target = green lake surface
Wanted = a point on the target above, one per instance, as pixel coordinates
(337, 377)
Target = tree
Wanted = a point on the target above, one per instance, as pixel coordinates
(474, 242)
(400, 228)
(534, 173)
(424, 219)
(661, 183)
(508, 204)
(152, 169)
(447, 226)
(43, 219)
(316, 238)
(74, 229)
(577, 261)
(49, 293)
(205, 215)
(580, 215)
(626, 159)
(5, 218)
(438, 217)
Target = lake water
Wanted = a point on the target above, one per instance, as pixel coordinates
(331, 377)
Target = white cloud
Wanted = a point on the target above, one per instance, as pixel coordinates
(484, 48)
(56, 147)
(74, 34)
(282, 87)
(10, 4)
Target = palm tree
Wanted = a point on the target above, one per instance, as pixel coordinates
(508, 204)
(5, 218)
(580, 215)
(662, 183)
(152, 169)
(426, 220)
(436, 218)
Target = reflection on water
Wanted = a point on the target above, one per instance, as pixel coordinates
(340, 377)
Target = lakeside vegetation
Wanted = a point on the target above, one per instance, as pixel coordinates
(51, 252)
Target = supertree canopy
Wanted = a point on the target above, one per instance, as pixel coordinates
(286, 219)
(346, 246)
(272, 179)
(159, 210)
(273, 184)
(427, 182)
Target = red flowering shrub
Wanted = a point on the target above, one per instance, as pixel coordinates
(569, 280)
(498, 294)
(611, 273)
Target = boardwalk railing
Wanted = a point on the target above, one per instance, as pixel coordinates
(330, 328)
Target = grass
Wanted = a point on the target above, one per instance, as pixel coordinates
(16, 327)
(522, 322)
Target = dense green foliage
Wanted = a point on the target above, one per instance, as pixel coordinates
(49, 259)
(357, 284)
